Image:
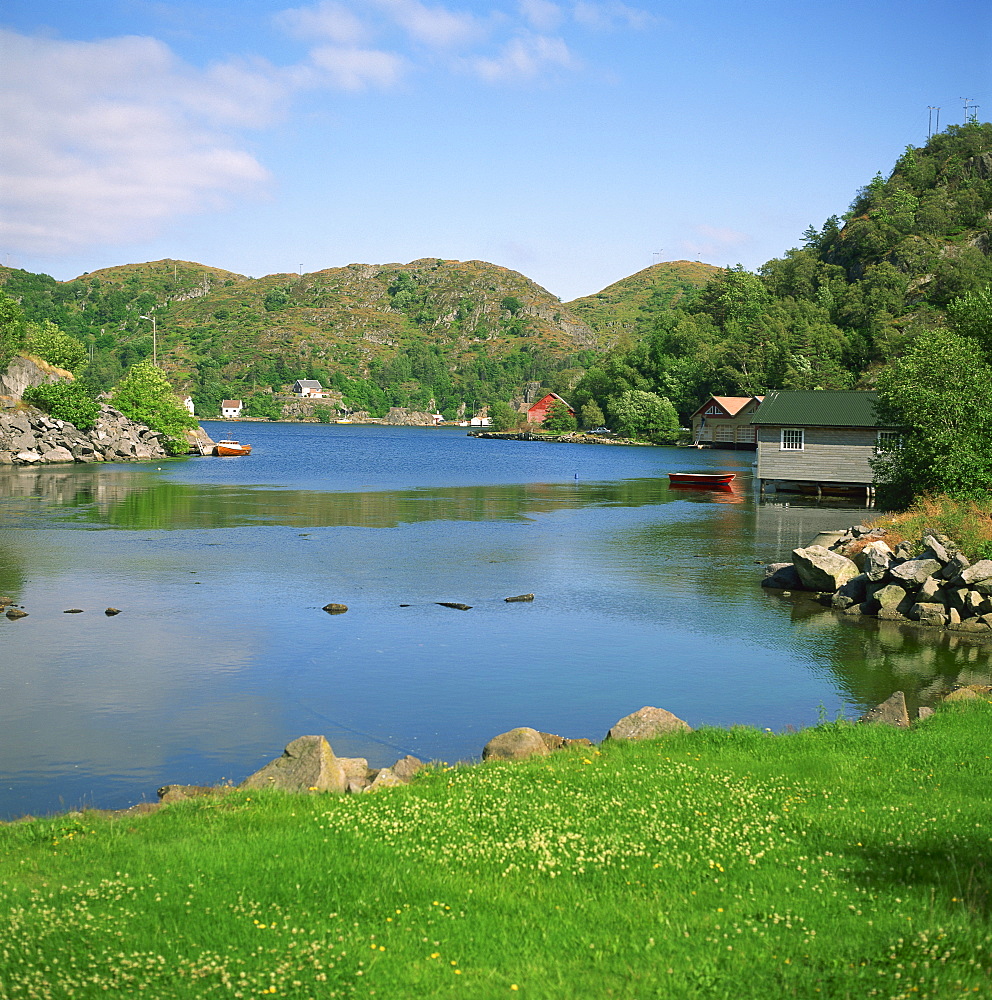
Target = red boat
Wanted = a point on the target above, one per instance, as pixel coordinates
(704, 479)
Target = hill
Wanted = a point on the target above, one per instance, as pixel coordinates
(620, 310)
(431, 332)
(831, 313)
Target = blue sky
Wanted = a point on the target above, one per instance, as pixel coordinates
(576, 141)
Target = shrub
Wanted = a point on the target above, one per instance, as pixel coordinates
(145, 395)
(65, 400)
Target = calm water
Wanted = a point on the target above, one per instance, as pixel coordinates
(222, 654)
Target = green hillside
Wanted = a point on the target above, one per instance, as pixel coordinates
(436, 332)
(622, 310)
(857, 294)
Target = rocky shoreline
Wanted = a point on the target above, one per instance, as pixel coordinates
(855, 572)
(572, 437)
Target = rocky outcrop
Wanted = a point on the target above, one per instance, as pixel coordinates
(30, 437)
(23, 373)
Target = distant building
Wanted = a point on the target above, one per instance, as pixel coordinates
(230, 407)
(308, 387)
(539, 410)
(819, 440)
(725, 422)
(480, 422)
(188, 403)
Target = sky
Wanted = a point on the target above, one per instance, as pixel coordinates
(575, 141)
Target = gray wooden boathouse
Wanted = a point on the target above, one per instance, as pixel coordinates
(816, 441)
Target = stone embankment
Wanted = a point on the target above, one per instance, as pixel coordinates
(855, 572)
(572, 437)
(30, 437)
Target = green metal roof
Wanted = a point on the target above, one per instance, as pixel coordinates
(817, 408)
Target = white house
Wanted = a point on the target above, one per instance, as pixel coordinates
(188, 403)
(480, 422)
(230, 408)
(305, 387)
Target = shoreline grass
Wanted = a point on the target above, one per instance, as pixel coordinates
(840, 861)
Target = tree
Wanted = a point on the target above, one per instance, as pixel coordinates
(49, 343)
(145, 395)
(11, 329)
(939, 394)
(591, 415)
(503, 417)
(559, 418)
(644, 415)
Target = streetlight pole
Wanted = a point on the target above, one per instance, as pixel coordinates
(154, 340)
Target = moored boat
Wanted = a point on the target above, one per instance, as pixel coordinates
(701, 478)
(231, 448)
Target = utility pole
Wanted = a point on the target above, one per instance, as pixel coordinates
(154, 340)
(932, 108)
(973, 117)
(657, 254)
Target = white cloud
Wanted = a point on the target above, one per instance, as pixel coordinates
(541, 15)
(357, 69)
(611, 15)
(327, 20)
(433, 26)
(524, 58)
(108, 141)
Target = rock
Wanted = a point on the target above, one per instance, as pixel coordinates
(930, 590)
(455, 605)
(892, 712)
(890, 596)
(519, 597)
(961, 694)
(877, 556)
(58, 454)
(335, 609)
(938, 549)
(406, 767)
(891, 615)
(14, 613)
(647, 724)
(955, 567)
(977, 573)
(915, 571)
(110, 612)
(73, 611)
(385, 779)
(821, 569)
(517, 744)
(183, 793)
(924, 713)
(928, 614)
(839, 602)
(356, 772)
(830, 538)
(856, 588)
(308, 764)
(783, 576)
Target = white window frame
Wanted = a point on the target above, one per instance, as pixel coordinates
(793, 439)
(892, 439)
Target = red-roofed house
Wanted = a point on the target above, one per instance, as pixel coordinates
(230, 408)
(537, 413)
(725, 422)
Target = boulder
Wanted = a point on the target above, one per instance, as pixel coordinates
(385, 779)
(647, 724)
(977, 573)
(356, 773)
(876, 558)
(955, 567)
(406, 767)
(519, 598)
(938, 548)
(915, 571)
(15, 613)
(335, 609)
(307, 764)
(928, 614)
(821, 569)
(782, 576)
(516, 744)
(890, 596)
(961, 694)
(892, 712)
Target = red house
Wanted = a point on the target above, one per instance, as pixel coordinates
(537, 413)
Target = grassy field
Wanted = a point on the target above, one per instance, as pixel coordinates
(840, 861)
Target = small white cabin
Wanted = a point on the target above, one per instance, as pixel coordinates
(308, 388)
(231, 408)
